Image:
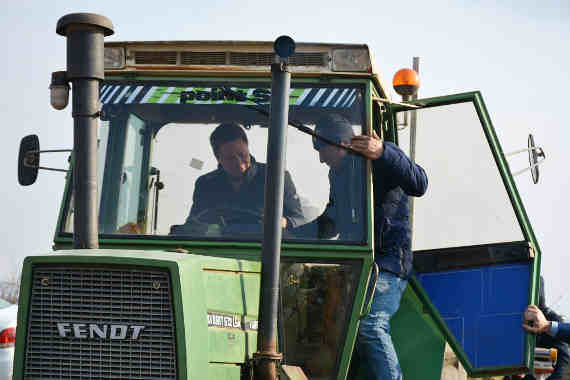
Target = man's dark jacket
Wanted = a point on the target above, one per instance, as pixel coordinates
(214, 191)
(547, 341)
(564, 332)
(395, 177)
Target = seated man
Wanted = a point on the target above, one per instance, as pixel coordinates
(234, 192)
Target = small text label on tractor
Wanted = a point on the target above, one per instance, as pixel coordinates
(100, 331)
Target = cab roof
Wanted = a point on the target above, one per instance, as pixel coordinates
(234, 58)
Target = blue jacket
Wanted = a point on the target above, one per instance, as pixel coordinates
(564, 332)
(395, 177)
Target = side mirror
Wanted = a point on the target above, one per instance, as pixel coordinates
(29, 160)
(533, 154)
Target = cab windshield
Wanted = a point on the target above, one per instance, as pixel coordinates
(162, 174)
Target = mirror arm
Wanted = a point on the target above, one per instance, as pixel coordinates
(31, 158)
(53, 169)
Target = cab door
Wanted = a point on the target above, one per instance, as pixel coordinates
(475, 255)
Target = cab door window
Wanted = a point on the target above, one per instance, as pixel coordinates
(466, 203)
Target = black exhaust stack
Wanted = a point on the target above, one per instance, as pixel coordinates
(85, 69)
(266, 358)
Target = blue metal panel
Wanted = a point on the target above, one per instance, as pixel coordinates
(483, 307)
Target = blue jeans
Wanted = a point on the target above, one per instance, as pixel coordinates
(375, 347)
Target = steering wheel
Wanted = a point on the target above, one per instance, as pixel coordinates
(225, 216)
(224, 220)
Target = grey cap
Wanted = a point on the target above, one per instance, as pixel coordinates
(333, 127)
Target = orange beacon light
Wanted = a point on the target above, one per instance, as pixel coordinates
(406, 82)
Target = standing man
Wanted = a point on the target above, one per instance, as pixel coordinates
(395, 177)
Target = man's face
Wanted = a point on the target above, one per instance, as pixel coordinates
(331, 155)
(234, 158)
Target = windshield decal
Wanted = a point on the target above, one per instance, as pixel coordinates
(134, 94)
(121, 94)
(304, 97)
(109, 93)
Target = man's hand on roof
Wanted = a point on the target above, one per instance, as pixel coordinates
(371, 147)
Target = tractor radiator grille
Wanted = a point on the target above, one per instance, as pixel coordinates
(80, 297)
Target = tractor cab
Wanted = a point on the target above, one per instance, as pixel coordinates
(180, 238)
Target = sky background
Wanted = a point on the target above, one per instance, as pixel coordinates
(515, 52)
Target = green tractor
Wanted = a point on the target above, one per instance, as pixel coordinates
(138, 287)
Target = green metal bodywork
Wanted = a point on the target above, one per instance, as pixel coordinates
(418, 340)
(203, 284)
(200, 284)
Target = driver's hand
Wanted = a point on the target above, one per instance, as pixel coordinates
(284, 221)
(131, 228)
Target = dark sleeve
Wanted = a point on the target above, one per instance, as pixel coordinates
(547, 341)
(561, 361)
(399, 170)
(292, 210)
(564, 332)
(198, 199)
(323, 227)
